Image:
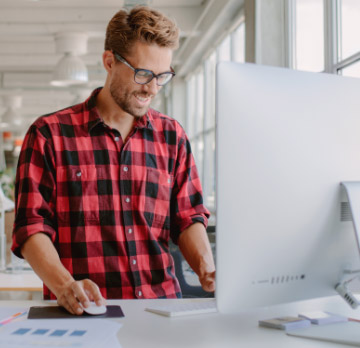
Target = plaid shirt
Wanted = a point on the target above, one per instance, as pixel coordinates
(109, 207)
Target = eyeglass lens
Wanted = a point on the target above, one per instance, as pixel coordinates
(145, 76)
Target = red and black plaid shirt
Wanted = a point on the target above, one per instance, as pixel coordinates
(108, 206)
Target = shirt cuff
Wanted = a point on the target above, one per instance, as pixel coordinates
(21, 234)
(185, 223)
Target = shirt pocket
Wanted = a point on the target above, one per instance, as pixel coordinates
(77, 195)
(158, 188)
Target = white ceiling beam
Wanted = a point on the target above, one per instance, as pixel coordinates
(56, 15)
(96, 3)
(64, 3)
(41, 61)
(49, 21)
(38, 80)
(93, 29)
(37, 47)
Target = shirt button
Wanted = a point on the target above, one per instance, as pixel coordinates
(127, 200)
(134, 262)
(130, 230)
(78, 174)
(117, 138)
(140, 293)
(125, 169)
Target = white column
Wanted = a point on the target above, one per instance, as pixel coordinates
(266, 32)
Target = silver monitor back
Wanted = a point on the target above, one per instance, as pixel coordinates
(285, 140)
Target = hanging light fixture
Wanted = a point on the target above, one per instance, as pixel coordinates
(11, 118)
(10, 121)
(70, 70)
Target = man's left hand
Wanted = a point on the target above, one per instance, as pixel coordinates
(207, 281)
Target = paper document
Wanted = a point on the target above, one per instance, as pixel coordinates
(60, 333)
(6, 312)
(10, 314)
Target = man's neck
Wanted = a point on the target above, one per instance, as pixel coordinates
(113, 115)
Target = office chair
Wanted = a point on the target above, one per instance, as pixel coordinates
(188, 291)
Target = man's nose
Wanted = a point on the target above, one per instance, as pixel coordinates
(152, 87)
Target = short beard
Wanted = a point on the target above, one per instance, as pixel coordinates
(125, 105)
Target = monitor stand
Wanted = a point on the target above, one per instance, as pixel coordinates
(352, 189)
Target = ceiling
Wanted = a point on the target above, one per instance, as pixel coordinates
(28, 52)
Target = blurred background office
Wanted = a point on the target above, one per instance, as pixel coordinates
(51, 57)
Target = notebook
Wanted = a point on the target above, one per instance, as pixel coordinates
(344, 333)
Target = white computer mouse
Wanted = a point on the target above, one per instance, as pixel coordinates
(93, 309)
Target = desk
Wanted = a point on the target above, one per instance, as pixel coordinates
(25, 285)
(25, 281)
(143, 329)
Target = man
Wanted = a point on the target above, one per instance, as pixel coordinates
(103, 185)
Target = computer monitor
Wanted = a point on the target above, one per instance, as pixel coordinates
(285, 141)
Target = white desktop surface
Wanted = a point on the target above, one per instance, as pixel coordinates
(143, 329)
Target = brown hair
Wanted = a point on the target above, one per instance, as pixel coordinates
(140, 24)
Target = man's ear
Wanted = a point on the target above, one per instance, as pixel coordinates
(108, 60)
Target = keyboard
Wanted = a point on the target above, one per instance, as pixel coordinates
(175, 309)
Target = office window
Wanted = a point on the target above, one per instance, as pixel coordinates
(352, 70)
(238, 44)
(309, 37)
(195, 116)
(209, 132)
(199, 105)
(334, 50)
(190, 106)
(349, 27)
(209, 102)
(200, 121)
(224, 49)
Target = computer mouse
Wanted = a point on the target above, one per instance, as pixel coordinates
(93, 309)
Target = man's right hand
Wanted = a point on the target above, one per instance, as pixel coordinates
(41, 254)
(79, 292)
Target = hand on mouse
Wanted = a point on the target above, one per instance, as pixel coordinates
(76, 296)
(94, 309)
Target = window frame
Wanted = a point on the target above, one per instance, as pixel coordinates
(206, 135)
(333, 62)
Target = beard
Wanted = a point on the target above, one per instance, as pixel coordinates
(123, 98)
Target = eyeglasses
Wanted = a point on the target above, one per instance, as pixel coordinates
(144, 76)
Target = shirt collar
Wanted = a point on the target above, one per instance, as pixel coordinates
(144, 122)
(95, 118)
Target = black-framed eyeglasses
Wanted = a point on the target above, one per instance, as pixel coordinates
(144, 76)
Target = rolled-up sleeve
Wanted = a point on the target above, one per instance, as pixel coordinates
(187, 206)
(34, 190)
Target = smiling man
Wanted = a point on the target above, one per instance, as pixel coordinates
(102, 186)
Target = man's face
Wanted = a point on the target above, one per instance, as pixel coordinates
(130, 96)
